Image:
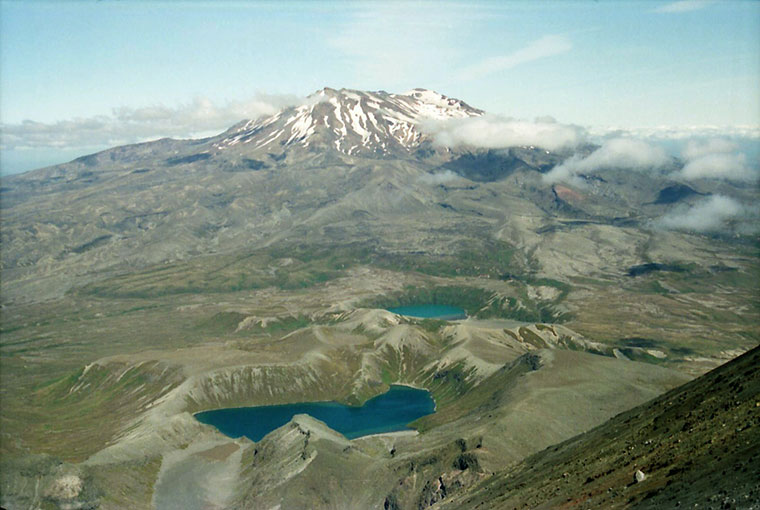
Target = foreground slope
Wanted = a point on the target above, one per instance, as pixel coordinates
(698, 445)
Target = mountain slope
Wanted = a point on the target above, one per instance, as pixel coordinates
(698, 446)
(352, 121)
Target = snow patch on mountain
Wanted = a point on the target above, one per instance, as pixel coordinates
(351, 121)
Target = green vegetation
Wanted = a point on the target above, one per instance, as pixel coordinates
(60, 415)
(431, 325)
(221, 274)
(221, 322)
(293, 267)
(450, 384)
(491, 259)
(130, 484)
(227, 322)
(303, 266)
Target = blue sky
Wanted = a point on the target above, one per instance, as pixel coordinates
(76, 77)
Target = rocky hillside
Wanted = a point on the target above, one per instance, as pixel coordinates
(694, 447)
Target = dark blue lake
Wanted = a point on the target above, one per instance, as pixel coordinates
(389, 412)
(445, 312)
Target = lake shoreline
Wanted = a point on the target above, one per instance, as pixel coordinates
(402, 404)
(430, 311)
(395, 433)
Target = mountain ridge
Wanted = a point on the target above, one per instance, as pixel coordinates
(353, 121)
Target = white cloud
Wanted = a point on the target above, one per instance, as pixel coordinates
(623, 153)
(730, 166)
(698, 148)
(566, 172)
(660, 133)
(626, 153)
(715, 158)
(730, 153)
(437, 178)
(712, 214)
(547, 46)
(683, 6)
(495, 132)
(129, 125)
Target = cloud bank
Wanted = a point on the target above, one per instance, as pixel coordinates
(624, 153)
(698, 148)
(731, 154)
(715, 158)
(130, 125)
(714, 214)
(678, 133)
(495, 132)
(732, 167)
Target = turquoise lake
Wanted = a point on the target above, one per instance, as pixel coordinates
(445, 312)
(389, 412)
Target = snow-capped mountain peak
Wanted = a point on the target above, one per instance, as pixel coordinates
(350, 121)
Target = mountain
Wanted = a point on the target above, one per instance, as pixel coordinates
(301, 169)
(147, 282)
(353, 122)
